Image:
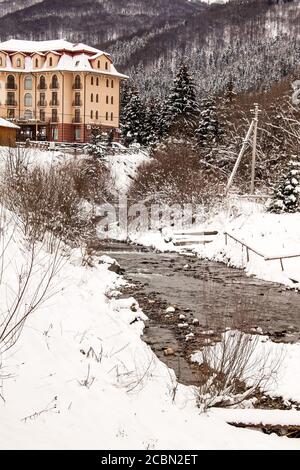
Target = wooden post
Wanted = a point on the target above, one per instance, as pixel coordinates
(239, 157)
(255, 120)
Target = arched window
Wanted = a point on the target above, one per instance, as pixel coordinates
(92, 80)
(107, 83)
(28, 99)
(97, 81)
(28, 83)
(92, 114)
(36, 63)
(28, 114)
(107, 116)
(77, 83)
(42, 83)
(97, 115)
(1, 62)
(112, 83)
(50, 61)
(97, 98)
(98, 65)
(92, 97)
(18, 62)
(107, 99)
(77, 115)
(42, 115)
(111, 116)
(54, 82)
(112, 100)
(10, 84)
(106, 65)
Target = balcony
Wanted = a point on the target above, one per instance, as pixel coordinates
(11, 86)
(54, 120)
(77, 86)
(77, 103)
(11, 103)
(42, 87)
(77, 120)
(54, 86)
(42, 104)
(54, 103)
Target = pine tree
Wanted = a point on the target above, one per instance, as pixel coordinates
(133, 120)
(97, 146)
(286, 196)
(209, 129)
(182, 107)
(152, 130)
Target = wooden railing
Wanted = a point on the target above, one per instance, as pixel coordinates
(259, 253)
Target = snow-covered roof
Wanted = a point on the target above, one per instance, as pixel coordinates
(4, 123)
(73, 57)
(13, 45)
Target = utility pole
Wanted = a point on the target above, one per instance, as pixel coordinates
(255, 120)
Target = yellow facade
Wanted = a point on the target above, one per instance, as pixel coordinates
(52, 95)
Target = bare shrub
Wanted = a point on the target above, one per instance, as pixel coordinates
(51, 199)
(234, 370)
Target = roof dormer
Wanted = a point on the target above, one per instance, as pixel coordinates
(3, 59)
(18, 60)
(101, 62)
(38, 60)
(52, 59)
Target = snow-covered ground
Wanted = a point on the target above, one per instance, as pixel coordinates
(81, 377)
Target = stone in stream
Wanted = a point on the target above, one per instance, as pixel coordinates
(183, 325)
(169, 352)
(170, 310)
(181, 317)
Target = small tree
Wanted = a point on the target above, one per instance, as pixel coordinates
(182, 107)
(286, 196)
(133, 118)
(209, 130)
(97, 146)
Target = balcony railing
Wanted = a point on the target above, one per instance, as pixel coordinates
(11, 103)
(77, 86)
(77, 120)
(54, 103)
(11, 86)
(42, 104)
(54, 119)
(54, 86)
(77, 103)
(42, 87)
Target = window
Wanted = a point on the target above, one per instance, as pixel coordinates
(36, 63)
(11, 99)
(77, 133)
(107, 83)
(10, 84)
(10, 113)
(98, 65)
(107, 116)
(107, 99)
(77, 82)
(54, 133)
(18, 62)
(42, 115)
(28, 114)
(50, 61)
(42, 84)
(97, 81)
(92, 114)
(97, 115)
(42, 99)
(1, 62)
(111, 116)
(28, 83)
(54, 82)
(112, 100)
(92, 97)
(97, 98)
(92, 81)
(77, 63)
(112, 83)
(77, 115)
(28, 99)
(54, 100)
(77, 99)
(54, 115)
(106, 65)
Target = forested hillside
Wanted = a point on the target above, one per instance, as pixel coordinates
(252, 43)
